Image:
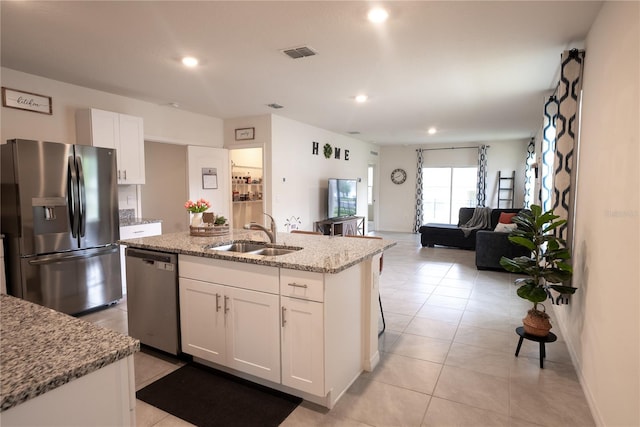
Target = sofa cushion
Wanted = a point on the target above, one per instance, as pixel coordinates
(505, 228)
(506, 217)
(495, 215)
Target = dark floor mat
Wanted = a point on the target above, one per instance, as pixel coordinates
(208, 397)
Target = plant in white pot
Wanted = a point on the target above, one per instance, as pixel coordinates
(547, 267)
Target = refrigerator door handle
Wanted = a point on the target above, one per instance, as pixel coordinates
(88, 253)
(72, 196)
(82, 198)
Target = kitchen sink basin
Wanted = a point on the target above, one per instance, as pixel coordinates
(255, 248)
(273, 251)
(240, 247)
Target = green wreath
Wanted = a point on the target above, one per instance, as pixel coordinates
(328, 151)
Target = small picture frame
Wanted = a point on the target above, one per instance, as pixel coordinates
(21, 100)
(245, 133)
(209, 179)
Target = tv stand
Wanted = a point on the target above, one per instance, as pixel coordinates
(348, 225)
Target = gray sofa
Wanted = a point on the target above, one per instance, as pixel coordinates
(489, 245)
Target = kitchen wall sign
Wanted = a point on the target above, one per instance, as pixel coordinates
(245, 133)
(21, 100)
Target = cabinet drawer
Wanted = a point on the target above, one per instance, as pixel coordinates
(140, 230)
(302, 284)
(231, 273)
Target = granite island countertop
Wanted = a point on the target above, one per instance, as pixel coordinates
(323, 254)
(42, 349)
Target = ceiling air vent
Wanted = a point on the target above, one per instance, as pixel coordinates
(275, 106)
(299, 52)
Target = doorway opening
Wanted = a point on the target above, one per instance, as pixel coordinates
(247, 185)
(371, 208)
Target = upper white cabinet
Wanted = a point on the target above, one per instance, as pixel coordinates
(114, 130)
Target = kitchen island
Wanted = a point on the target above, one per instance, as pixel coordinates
(59, 370)
(303, 322)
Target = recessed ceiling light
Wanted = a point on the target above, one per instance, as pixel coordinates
(190, 61)
(361, 98)
(377, 15)
(432, 131)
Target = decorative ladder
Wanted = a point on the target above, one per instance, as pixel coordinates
(505, 190)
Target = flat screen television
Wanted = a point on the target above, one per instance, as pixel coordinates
(342, 199)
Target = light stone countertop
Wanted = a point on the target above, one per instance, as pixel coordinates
(323, 254)
(126, 222)
(42, 349)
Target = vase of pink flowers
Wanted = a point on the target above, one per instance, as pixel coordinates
(197, 208)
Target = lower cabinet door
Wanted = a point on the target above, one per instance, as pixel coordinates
(303, 345)
(253, 333)
(202, 320)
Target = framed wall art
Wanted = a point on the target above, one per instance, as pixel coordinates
(21, 100)
(245, 133)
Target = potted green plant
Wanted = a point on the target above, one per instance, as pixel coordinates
(547, 267)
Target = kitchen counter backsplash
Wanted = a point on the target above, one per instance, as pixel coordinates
(137, 221)
(126, 215)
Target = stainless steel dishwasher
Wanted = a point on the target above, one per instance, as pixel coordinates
(152, 298)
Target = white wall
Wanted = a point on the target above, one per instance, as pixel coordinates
(397, 207)
(161, 123)
(300, 177)
(602, 323)
(208, 157)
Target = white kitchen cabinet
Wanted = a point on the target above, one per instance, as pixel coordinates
(253, 333)
(300, 331)
(123, 132)
(225, 320)
(202, 320)
(303, 345)
(321, 347)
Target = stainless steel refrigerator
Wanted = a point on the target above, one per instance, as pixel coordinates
(60, 220)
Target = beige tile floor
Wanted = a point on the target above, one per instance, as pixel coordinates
(447, 356)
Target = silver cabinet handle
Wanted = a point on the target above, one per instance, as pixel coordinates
(226, 307)
(125, 174)
(295, 285)
(217, 302)
(283, 319)
(119, 174)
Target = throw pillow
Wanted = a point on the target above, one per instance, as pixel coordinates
(505, 228)
(505, 218)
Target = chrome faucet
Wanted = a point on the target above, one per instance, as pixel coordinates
(271, 233)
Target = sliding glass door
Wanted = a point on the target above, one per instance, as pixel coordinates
(445, 191)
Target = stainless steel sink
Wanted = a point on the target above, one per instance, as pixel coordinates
(239, 247)
(273, 251)
(255, 248)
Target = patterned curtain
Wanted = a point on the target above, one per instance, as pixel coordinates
(529, 173)
(548, 150)
(481, 191)
(567, 130)
(419, 196)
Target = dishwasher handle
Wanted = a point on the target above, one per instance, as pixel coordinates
(150, 257)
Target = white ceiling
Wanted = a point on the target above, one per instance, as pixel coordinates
(476, 70)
